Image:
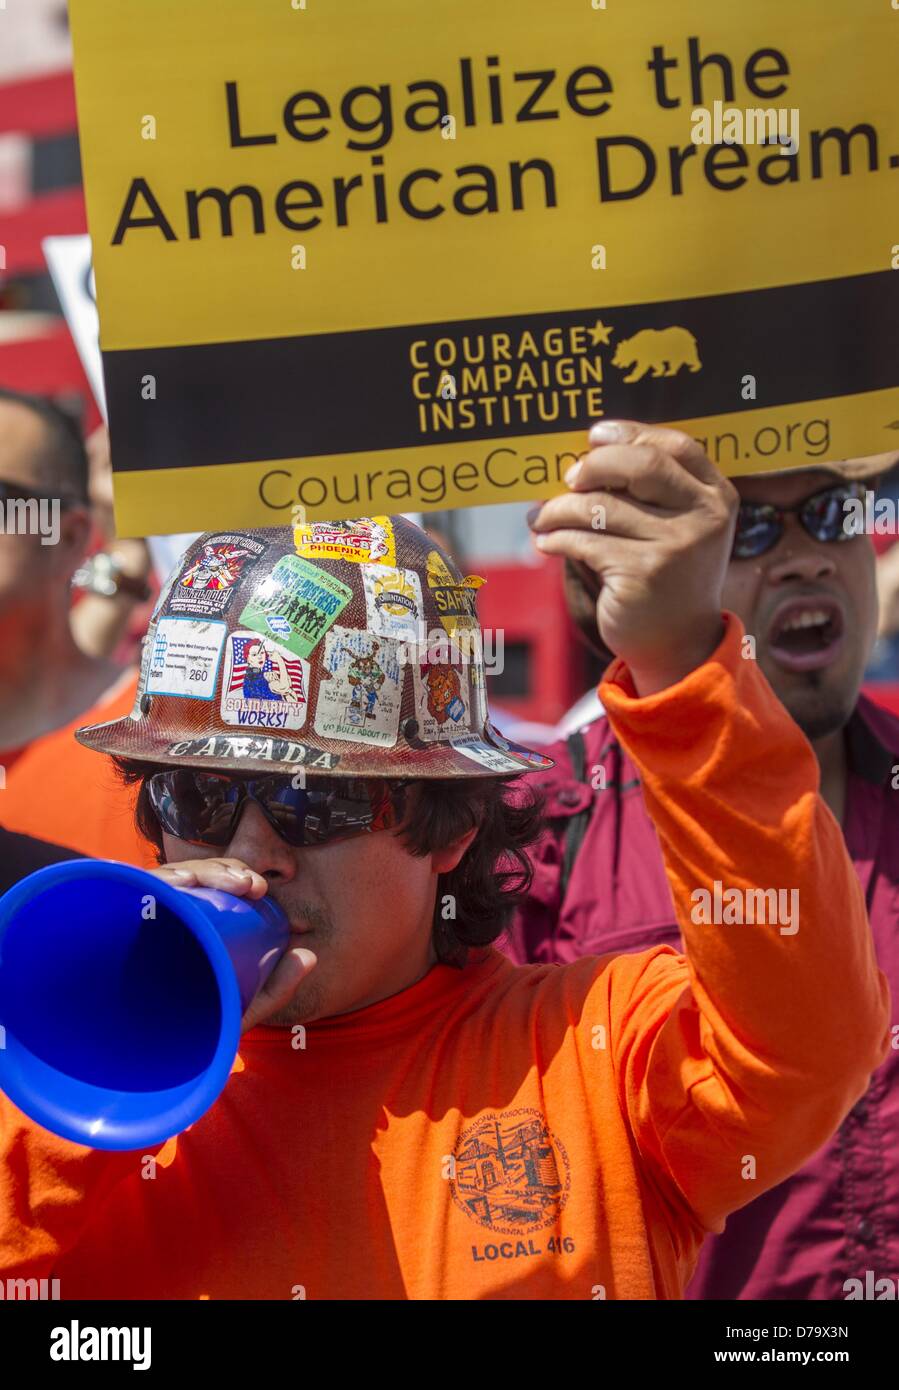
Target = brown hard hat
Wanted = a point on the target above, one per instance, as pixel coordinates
(348, 648)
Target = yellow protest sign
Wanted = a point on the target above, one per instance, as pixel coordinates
(387, 256)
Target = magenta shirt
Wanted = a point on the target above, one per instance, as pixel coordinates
(839, 1216)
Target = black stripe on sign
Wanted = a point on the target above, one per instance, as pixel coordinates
(336, 393)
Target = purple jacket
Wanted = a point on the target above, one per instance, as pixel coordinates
(599, 887)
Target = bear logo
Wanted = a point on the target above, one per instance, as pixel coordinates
(663, 351)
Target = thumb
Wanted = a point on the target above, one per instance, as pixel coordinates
(280, 986)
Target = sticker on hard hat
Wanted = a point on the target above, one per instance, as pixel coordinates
(184, 657)
(393, 603)
(360, 688)
(205, 585)
(265, 685)
(298, 602)
(238, 749)
(480, 752)
(366, 539)
(534, 758)
(442, 700)
(455, 598)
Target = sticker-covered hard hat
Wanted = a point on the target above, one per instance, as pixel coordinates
(348, 648)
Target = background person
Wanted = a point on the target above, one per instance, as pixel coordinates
(110, 617)
(48, 686)
(807, 594)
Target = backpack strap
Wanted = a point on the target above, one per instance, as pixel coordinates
(576, 826)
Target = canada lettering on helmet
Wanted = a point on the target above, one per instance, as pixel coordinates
(274, 750)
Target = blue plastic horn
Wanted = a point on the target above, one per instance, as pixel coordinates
(121, 998)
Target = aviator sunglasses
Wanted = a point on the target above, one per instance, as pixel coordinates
(760, 525)
(204, 807)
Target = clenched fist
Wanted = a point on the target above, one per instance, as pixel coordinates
(653, 519)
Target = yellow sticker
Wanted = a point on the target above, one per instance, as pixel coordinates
(455, 598)
(366, 540)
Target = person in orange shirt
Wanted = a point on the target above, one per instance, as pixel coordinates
(411, 1115)
(51, 789)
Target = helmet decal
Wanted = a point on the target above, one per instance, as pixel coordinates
(360, 700)
(367, 539)
(209, 573)
(347, 645)
(296, 602)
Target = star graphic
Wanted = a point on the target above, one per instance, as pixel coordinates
(599, 333)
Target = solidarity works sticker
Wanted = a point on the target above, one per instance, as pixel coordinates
(184, 658)
(360, 689)
(265, 685)
(296, 603)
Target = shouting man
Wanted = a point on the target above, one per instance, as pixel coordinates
(801, 579)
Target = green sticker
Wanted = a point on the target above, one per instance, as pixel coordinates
(296, 603)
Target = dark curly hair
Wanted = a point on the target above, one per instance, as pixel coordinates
(492, 877)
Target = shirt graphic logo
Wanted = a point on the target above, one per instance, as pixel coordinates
(512, 1174)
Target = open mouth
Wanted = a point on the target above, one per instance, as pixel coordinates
(806, 634)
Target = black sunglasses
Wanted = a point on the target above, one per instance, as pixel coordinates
(204, 807)
(760, 525)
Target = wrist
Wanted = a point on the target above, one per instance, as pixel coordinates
(658, 673)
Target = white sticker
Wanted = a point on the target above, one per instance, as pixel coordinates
(442, 700)
(393, 603)
(184, 658)
(360, 688)
(482, 753)
(265, 685)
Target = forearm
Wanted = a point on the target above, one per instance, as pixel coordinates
(787, 1013)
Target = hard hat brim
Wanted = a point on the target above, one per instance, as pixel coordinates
(238, 753)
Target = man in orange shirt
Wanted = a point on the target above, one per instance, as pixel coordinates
(48, 685)
(411, 1115)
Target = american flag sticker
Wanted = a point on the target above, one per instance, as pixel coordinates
(265, 686)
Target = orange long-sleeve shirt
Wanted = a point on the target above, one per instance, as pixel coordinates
(517, 1132)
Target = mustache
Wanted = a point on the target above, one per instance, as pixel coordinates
(308, 914)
